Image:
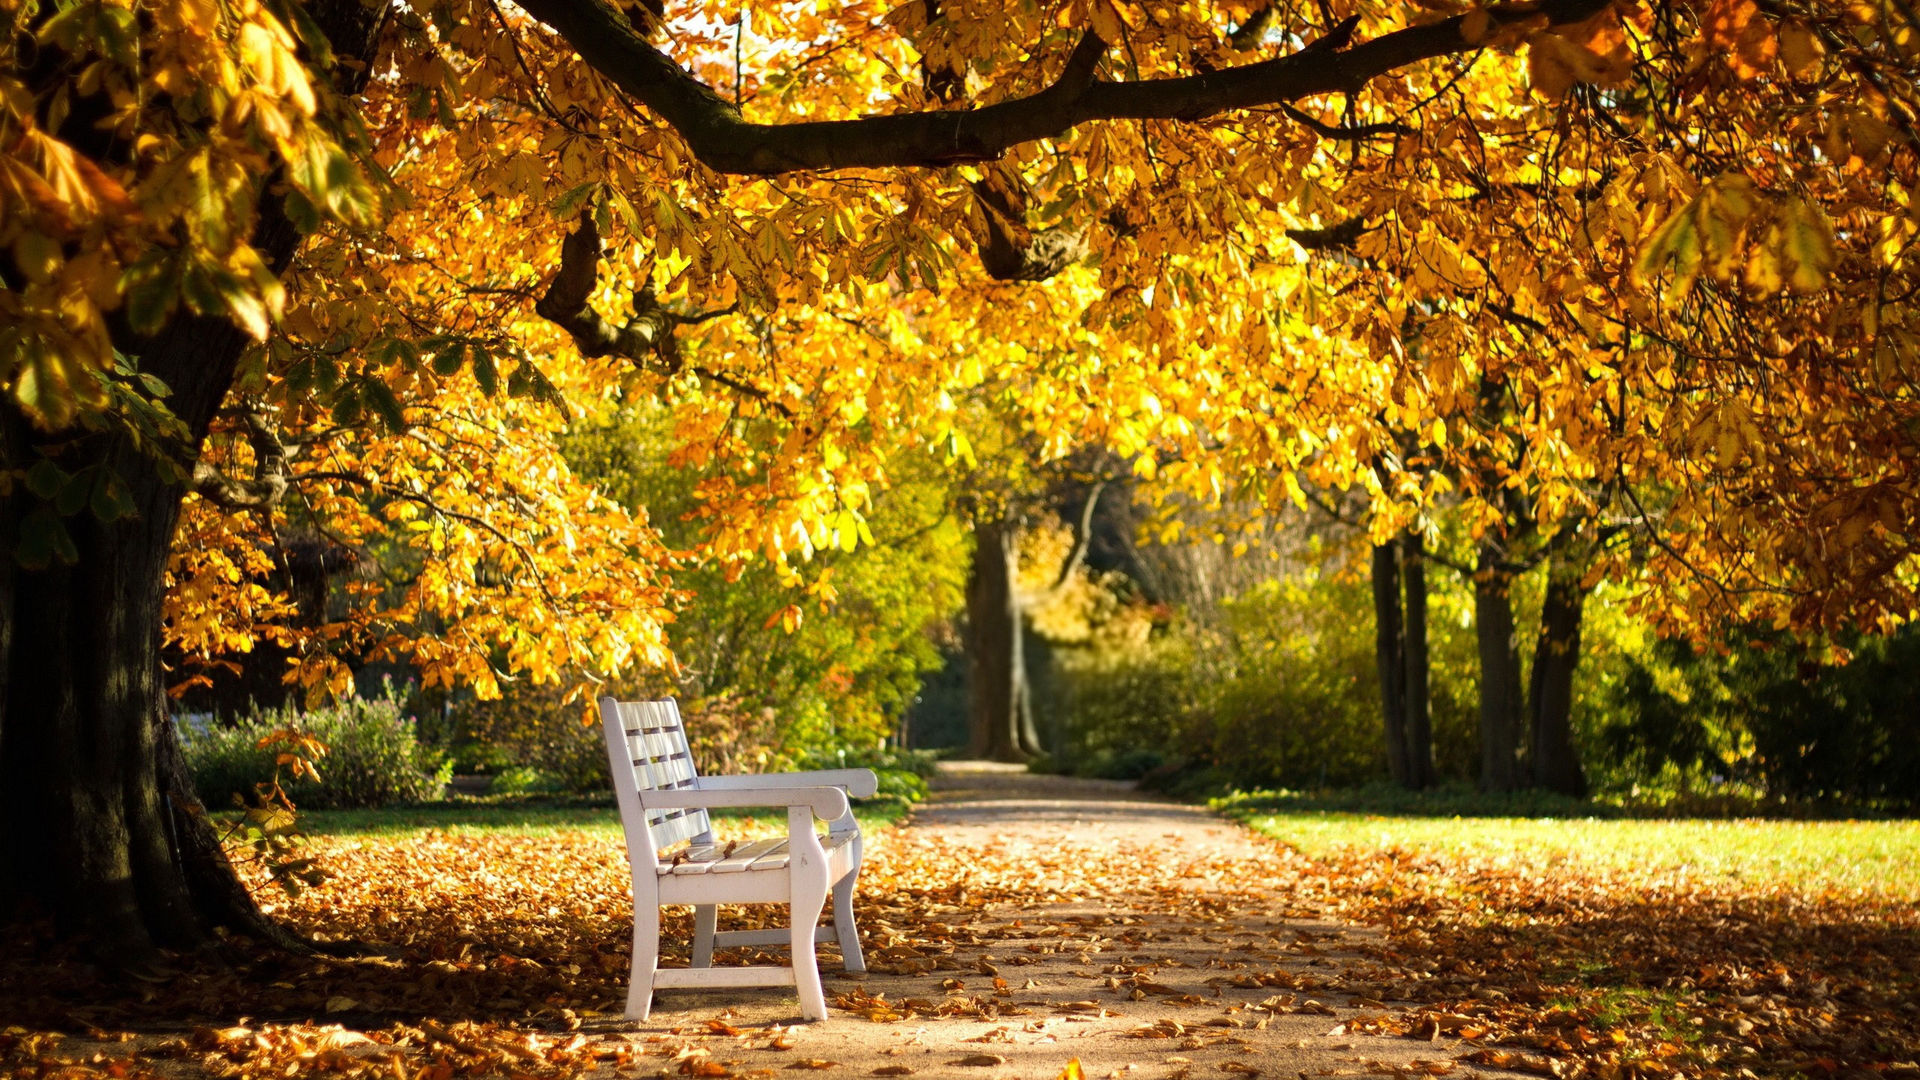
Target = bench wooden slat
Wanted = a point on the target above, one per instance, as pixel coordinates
(767, 854)
(670, 827)
(713, 858)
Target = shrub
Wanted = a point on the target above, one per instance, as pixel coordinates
(531, 739)
(374, 756)
(1280, 689)
(903, 774)
(1769, 714)
(1120, 700)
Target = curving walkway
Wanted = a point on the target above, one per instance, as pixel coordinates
(1016, 922)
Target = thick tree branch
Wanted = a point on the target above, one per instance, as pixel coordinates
(647, 339)
(1083, 536)
(1009, 249)
(270, 466)
(724, 141)
(1249, 34)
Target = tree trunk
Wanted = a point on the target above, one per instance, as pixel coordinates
(101, 828)
(999, 703)
(1500, 700)
(1556, 763)
(1418, 731)
(101, 819)
(1389, 655)
(11, 440)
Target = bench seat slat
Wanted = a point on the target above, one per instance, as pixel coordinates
(768, 854)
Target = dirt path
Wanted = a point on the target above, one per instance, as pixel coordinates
(1089, 922)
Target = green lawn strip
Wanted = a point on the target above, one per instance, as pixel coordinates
(1880, 859)
(481, 817)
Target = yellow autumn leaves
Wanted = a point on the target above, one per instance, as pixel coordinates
(204, 99)
(1730, 226)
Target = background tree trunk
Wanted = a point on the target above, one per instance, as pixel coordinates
(1556, 763)
(1403, 658)
(1500, 700)
(1418, 733)
(1389, 655)
(999, 702)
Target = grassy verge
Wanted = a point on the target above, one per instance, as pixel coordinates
(1875, 858)
(541, 817)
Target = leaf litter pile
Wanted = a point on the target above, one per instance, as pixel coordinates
(1012, 955)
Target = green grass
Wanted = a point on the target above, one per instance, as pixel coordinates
(539, 817)
(1880, 858)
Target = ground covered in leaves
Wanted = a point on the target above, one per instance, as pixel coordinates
(1018, 925)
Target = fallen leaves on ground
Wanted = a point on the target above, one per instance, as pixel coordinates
(508, 958)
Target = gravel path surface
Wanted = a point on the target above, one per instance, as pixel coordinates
(1088, 921)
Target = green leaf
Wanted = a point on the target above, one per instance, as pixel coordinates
(379, 397)
(484, 372)
(202, 293)
(395, 352)
(271, 820)
(301, 211)
(543, 388)
(569, 203)
(75, 492)
(111, 499)
(346, 407)
(44, 540)
(300, 375)
(447, 360)
(152, 287)
(46, 479)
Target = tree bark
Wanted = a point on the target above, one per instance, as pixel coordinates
(101, 828)
(1555, 761)
(999, 702)
(1418, 728)
(1389, 645)
(1500, 701)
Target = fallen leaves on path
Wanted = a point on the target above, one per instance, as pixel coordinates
(509, 955)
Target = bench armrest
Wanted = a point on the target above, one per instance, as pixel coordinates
(827, 803)
(859, 783)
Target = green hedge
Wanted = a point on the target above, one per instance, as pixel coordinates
(1278, 690)
(374, 756)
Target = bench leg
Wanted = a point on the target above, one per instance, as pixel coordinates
(850, 956)
(809, 896)
(705, 918)
(646, 957)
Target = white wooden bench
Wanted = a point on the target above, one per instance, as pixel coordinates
(664, 800)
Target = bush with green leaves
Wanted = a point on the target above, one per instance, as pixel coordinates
(532, 740)
(902, 774)
(1280, 689)
(1770, 716)
(374, 756)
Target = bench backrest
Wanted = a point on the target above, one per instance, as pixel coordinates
(647, 748)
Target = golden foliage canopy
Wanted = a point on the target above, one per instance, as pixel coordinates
(1641, 265)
